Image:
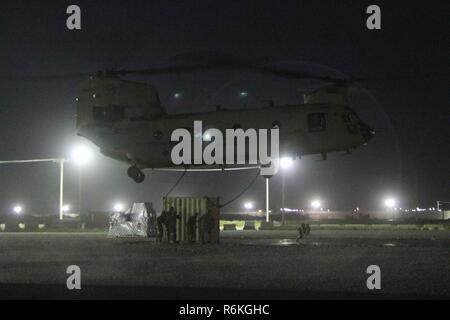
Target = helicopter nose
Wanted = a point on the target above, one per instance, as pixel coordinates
(367, 132)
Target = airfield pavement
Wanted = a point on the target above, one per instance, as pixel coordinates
(245, 265)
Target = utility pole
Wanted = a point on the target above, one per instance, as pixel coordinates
(61, 189)
(267, 199)
(80, 209)
(283, 187)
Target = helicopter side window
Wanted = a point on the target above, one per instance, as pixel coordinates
(109, 113)
(316, 122)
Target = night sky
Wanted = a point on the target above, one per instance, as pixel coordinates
(405, 96)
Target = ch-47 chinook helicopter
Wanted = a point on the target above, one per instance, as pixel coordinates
(127, 121)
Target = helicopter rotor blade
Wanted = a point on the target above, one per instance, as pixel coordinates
(220, 65)
(214, 64)
(298, 75)
(55, 77)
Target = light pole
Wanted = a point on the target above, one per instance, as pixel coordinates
(267, 199)
(80, 179)
(61, 188)
(390, 203)
(80, 156)
(285, 164)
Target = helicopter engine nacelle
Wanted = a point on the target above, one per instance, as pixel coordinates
(333, 94)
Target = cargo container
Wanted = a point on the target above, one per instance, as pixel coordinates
(186, 207)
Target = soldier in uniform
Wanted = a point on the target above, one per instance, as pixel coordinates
(206, 224)
(192, 227)
(308, 229)
(300, 233)
(151, 220)
(171, 225)
(160, 223)
(303, 228)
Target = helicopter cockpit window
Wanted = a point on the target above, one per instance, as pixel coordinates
(316, 122)
(351, 121)
(109, 113)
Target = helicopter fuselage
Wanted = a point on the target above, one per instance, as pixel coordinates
(126, 121)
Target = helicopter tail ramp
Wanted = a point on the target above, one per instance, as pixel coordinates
(187, 207)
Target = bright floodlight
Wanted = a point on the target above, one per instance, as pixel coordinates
(207, 136)
(248, 205)
(65, 208)
(390, 203)
(286, 162)
(315, 204)
(81, 155)
(118, 207)
(17, 209)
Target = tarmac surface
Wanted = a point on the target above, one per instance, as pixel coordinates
(245, 265)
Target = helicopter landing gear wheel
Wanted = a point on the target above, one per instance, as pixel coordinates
(136, 174)
(140, 177)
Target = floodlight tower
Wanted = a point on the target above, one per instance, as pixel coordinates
(81, 156)
(285, 164)
(390, 204)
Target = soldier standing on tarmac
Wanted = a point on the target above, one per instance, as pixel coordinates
(171, 225)
(192, 227)
(308, 229)
(160, 223)
(303, 228)
(300, 233)
(206, 224)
